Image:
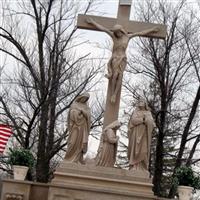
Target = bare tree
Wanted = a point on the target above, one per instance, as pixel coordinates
(41, 39)
(190, 34)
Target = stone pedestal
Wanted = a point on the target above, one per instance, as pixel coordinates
(23, 190)
(82, 182)
(20, 190)
(76, 182)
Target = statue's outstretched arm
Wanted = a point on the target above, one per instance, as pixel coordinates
(145, 32)
(99, 26)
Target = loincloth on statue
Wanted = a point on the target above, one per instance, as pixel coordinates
(117, 64)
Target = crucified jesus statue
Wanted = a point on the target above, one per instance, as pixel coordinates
(118, 60)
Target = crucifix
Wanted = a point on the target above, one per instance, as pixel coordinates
(121, 30)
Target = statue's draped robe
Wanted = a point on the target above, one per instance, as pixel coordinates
(140, 134)
(107, 155)
(79, 127)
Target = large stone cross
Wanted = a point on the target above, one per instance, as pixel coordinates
(112, 109)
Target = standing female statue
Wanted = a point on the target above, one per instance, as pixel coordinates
(79, 128)
(107, 155)
(140, 129)
(118, 60)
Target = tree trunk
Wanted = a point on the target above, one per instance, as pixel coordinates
(42, 166)
(157, 180)
(42, 171)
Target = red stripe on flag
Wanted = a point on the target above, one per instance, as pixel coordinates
(5, 129)
(9, 132)
(3, 139)
(4, 134)
(3, 142)
(5, 126)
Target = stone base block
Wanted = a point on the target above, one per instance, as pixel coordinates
(14, 190)
(82, 182)
(24, 190)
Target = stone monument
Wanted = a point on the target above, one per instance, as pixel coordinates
(107, 155)
(73, 179)
(104, 182)
(140, 129)
(128, 29)
(79, 127)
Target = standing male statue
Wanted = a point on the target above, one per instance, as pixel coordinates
(118, 60)
(140, 129)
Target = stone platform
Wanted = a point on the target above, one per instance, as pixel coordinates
(82, 182)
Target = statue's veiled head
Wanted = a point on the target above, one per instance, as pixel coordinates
(83, 98)
(114, 125)
(142, 104)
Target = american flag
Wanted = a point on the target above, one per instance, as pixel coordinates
(5, 133)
